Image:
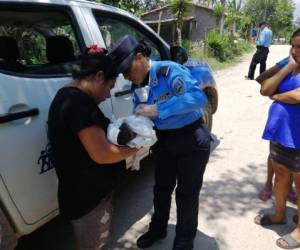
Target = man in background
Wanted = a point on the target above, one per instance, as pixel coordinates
(263, 42)
(254, 33)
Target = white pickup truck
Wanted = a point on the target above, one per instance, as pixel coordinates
(39, 40)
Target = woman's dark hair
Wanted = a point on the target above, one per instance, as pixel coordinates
(143, 48)
(295, 34)
(94, 59)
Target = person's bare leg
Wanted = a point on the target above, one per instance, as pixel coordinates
(281, 188)
(296, 233)
(266, 192)
(270, 174)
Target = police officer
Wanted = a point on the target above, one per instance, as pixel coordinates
(263, 42)
(175, 105)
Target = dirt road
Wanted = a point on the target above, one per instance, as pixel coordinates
(228, 200)
(235, 173)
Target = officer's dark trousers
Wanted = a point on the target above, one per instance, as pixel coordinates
(260, 57)
(181, 157)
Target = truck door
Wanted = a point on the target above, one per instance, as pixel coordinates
(39, 46)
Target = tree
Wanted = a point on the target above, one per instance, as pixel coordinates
(223, 2)
(245, 24)
(278, 13)
(218, 11)
(284, 15)
(234, 13)
(180, 9)
(259, 10)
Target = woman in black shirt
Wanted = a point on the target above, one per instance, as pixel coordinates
(87, 165)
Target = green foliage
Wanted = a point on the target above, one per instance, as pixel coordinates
(188, 45)
(216, 45)
(226, 47)
(218, 9)
(233, 11)
(278, 13)
(198, 51)
(284, 15)
(181, 8)
(288, 33)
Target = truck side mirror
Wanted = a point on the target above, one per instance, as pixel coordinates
(178, 54)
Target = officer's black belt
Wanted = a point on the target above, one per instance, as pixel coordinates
(261, 47)
(190, 127)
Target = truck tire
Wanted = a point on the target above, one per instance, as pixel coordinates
(207, 116)
(8, 238)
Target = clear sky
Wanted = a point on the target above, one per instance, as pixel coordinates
(297, 11)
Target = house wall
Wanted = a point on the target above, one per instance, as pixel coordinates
(167, 14)
(204, 21)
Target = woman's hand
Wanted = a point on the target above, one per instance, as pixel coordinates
(270, 85)
(292, 62)
(146, 110)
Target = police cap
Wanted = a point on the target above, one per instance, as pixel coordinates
(122, 53)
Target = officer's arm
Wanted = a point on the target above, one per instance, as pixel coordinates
(186, 96)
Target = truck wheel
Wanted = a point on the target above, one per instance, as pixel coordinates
(8, 238)
(207, 116)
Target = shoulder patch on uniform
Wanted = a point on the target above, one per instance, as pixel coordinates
(163, 71)
(178, 86)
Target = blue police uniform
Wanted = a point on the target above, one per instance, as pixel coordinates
(175, 93)
(265, 38)
(182, 150)
(263, 42)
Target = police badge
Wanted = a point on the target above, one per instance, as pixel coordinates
(178, 86)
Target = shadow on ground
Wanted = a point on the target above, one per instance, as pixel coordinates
(55, 235)
(233, 193)
(202, 242)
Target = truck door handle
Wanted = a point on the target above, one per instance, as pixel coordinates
(124, 92)
(18, 115)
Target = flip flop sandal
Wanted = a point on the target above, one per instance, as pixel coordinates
(295, 218)
(265, 194)
(265, 220)
(291, 242)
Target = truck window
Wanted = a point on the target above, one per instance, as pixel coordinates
(37, 42)
(112, 29)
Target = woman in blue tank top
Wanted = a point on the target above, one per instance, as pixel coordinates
(283, 131)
